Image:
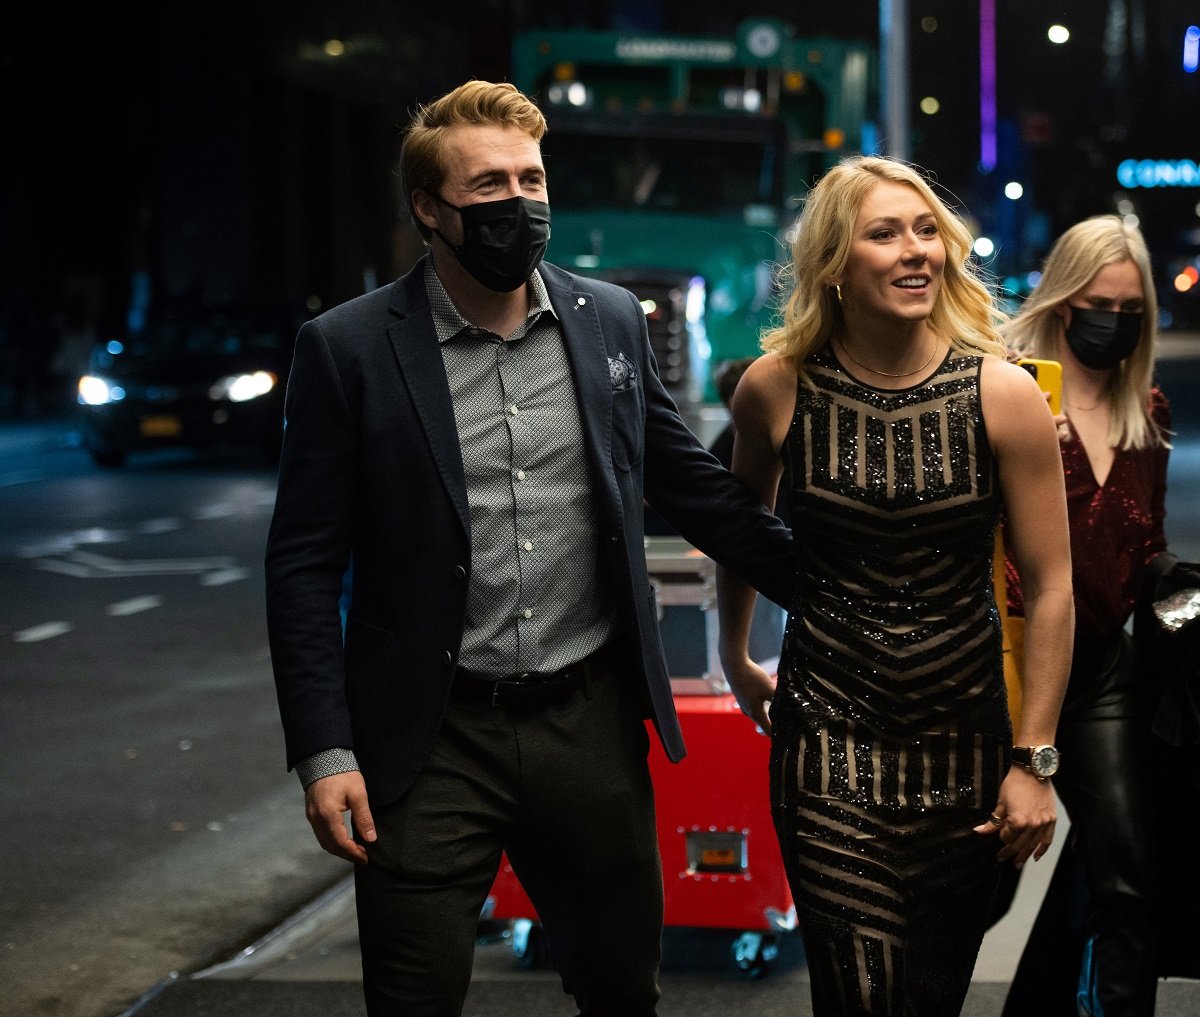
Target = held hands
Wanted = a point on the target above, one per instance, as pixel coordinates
(753, 689)
(325, 803)
(1023, 818)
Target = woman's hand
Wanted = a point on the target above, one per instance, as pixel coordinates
(1024, 817)
(753, 689)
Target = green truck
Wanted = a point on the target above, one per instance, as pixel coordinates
(677, 164)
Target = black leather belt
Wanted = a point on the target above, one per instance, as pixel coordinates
(532, 688)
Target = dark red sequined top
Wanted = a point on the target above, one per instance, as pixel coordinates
(1115, 530)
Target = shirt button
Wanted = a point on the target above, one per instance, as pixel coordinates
(528, 545)
(527, 613)
(460, 571)
(520, 474)
(512, 410)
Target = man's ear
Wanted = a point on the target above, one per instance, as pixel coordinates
(424, 208)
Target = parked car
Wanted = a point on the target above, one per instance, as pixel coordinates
(198, 380)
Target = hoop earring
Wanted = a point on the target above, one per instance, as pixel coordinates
(838, 289)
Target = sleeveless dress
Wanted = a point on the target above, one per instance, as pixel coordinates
(890, 728)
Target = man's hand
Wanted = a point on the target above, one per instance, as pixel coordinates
(325, 803)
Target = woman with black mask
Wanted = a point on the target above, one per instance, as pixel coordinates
(1094, 310)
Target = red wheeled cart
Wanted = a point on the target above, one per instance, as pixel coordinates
(721, 863)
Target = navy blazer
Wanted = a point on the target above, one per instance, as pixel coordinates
(371, 470)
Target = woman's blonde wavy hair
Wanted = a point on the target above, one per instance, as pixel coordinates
(965, 313)
(1037, 329)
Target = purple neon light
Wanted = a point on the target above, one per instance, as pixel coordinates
(987, 85)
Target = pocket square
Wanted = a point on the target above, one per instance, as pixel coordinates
(621, 372)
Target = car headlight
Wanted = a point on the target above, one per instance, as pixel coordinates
(240, 388)
(97, 391)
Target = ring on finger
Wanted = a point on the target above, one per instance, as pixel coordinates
(995, 820)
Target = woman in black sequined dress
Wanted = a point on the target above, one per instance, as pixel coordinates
(905, 432)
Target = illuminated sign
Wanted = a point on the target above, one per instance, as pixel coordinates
(1158, 173)
(713, 51)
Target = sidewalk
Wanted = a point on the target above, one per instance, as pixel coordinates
(309, 967)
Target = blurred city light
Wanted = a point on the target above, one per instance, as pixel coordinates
(930, 105)
(1013, 190)
(1191, 48)
(984, 247)
(988, 136)
(1058, 34)
(95, 391)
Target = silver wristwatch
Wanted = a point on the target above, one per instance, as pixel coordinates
(1041, 760)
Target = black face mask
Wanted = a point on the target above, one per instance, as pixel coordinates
(503, 241)
(1102, 339)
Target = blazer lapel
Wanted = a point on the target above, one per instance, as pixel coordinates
(584, 341)
(420, 358)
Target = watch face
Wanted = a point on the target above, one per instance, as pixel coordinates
(1044, 761)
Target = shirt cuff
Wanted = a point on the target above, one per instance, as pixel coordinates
(325, 764)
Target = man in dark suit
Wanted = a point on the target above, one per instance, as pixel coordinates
(476, 440)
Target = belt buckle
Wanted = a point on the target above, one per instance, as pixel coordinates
(514, 683)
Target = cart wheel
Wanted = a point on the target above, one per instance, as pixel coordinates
(529, 944)
(754, 953)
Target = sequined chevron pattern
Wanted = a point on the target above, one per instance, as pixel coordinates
(895, 500)
(890, 722)
(892, 907)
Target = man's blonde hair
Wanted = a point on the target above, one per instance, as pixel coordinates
(498, 104)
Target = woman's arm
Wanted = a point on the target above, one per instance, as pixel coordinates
(1023, 437)
(761, 408)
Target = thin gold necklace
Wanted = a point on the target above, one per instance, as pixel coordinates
(888, 374)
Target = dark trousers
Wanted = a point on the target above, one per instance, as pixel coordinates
(564, 789)
(1093, 946)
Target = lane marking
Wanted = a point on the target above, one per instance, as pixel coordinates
(165, 525)
(64, 543)
(64, 568)
(135, 605)
(87, 565)
(48, 630)
(15, 477)
(224, 576)
(218, 511)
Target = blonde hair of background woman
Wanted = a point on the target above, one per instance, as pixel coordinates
(1036, 329)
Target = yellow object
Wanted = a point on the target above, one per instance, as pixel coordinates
(1049, 378)
(1013, 629)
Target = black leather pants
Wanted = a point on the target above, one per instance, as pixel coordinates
(1093, 946)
